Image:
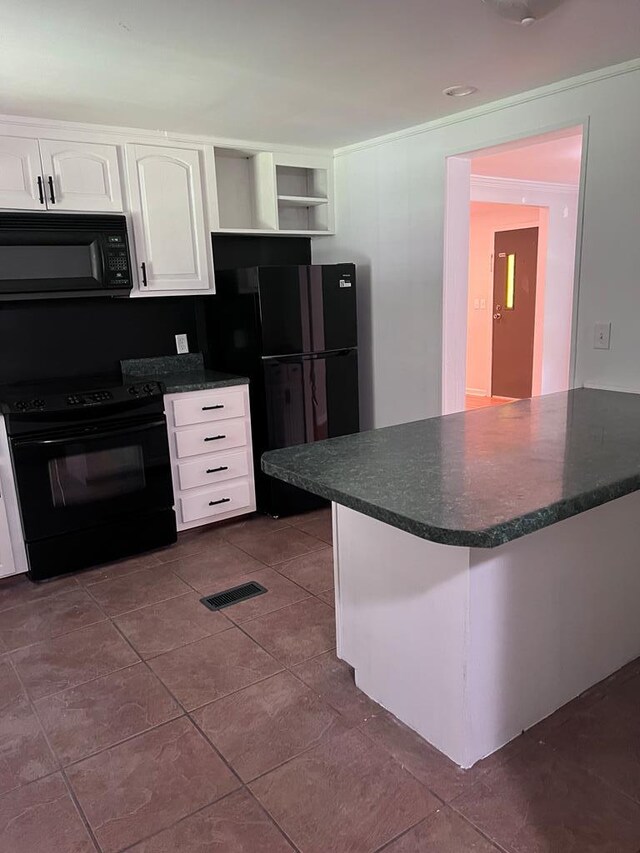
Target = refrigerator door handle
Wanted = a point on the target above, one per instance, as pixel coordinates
(307, 356)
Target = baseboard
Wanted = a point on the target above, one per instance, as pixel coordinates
(476, 392)
(601, 386)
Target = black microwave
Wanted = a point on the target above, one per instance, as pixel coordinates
(49, 255)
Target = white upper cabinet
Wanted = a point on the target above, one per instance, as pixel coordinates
(51, 174)
(172, 238)
(21, 185)
(81, 175)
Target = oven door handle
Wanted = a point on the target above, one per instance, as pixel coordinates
(123, 430)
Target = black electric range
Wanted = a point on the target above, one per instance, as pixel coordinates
(91, 463)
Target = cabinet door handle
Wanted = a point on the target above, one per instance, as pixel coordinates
(215, 470)
(209, 408)
(40, 190)
(214, 437)
(144, 274)
(221, 501)
(51, 190)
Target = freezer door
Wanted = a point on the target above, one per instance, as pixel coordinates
(305, 309)
(284, 310)
(310, 398)
(332, 299)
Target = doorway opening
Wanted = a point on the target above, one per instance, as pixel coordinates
(511, 244)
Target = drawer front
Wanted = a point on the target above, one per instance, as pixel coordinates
(210, 438)
(213, 406)
(213, 469)
(235, 495)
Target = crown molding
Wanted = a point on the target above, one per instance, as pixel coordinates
(486, 182)
(541, 92)
(43, 126)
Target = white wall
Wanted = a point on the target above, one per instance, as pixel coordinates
(390, 197)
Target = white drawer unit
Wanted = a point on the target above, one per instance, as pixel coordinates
(13, 554)
(210, 406)
(211, 457)
(234, 496)
(207, 438)
(206, 470)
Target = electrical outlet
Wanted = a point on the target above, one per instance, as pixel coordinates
(602, 336)
(182, 343)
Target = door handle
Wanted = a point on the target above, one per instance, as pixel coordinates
(209, 408)
(215, 470)
(40, 190)
(144, 274)
(221, 501)
(51, 190)
(214, 437)
(497, 316)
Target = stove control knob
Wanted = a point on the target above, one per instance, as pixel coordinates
(134, 390)
(149, 388)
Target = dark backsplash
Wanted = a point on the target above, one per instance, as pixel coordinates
(71, 337)
(46, 339)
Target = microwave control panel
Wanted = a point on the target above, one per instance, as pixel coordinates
(117, 261)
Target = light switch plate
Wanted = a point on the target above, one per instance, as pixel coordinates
(602, 336)
(182, 343)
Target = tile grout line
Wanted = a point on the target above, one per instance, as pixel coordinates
(60, 769)
(243, 786)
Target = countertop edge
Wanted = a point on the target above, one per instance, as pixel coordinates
(189, 383)
(488, 538)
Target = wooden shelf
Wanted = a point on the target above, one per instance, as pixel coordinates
(301, 200)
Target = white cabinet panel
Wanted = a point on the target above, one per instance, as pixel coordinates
(210, 406)
(19, 173)
(170, 230)
(7, 566)
(210, 438)
(231, 497)
(213, 469)
(85, 175)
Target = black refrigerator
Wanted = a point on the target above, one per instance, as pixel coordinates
(293, 331)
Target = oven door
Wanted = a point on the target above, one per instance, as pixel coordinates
(91, 476)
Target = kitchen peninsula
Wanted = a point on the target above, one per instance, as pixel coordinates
(486, 562)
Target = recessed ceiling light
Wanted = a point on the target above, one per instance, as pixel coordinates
(459, 91)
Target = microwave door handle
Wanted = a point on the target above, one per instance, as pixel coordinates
(87, 434)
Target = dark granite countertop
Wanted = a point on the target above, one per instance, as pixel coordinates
(185, 372)
(480, 478)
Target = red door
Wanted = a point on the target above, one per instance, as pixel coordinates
(514, 312)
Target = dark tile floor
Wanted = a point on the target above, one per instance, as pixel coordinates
(133, 718)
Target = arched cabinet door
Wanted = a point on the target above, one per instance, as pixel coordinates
(19, 173)
(167, 203)
(81, 175)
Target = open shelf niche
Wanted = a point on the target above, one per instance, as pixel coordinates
(245, 189)
(303, 198)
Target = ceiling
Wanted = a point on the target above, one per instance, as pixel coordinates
(553, 160)
(322, 73)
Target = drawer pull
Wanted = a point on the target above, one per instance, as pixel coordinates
(214, 437)
(221, 501)
(215, 470)
(209, 408)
